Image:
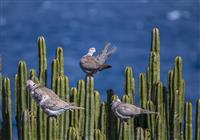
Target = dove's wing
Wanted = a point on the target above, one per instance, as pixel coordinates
(128, 109)
(105, 53)
(89, 63)
(55, 104)
(43, 90)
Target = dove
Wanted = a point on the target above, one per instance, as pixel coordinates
(92, 64)
(125, 111)
(45, 98)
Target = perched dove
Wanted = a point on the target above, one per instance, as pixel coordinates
(91, 64)
(48, 100)
(125, 111)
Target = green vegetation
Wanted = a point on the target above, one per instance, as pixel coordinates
(97, 122)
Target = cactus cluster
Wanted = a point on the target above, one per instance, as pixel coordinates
(97, 121)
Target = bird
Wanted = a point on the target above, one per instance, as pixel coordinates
(45, 98)
(92, 64)
(125, 111)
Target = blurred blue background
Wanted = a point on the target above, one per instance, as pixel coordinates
(78, 25)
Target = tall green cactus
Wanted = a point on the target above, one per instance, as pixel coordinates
(74, 114)
(151, 119)
(0, 100)
(66, 114)
(61, 93)
(123, 131)
(6, 110)
(153, 70)
(42, 60)
(33, 107)
(98, 135)
(178, 98)
(43, 80)
(81, 94)
(129, 91)
(160, 129)
(129, 83)
(112, 120)
(197, 130)
(21, 98)
(188, 121)
(26, 133)
(140, 134)
(97, 110)
(103, 124)
(90, 109)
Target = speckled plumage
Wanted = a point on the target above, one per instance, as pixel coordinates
(48, 100)
(125, 111)
(91, 64)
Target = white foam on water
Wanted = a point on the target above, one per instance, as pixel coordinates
(174, 15)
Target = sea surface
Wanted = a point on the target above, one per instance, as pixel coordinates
(78, 25)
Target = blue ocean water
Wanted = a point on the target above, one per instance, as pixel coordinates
(78, 25)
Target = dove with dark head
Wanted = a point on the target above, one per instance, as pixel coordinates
(51, 104)
(92, 64)
(125, 111)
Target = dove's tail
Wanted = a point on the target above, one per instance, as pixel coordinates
(73, 106)
(104, 66)
(148, 112)
(105, 53)
(76, 107)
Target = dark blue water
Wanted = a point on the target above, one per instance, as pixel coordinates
(77, 25)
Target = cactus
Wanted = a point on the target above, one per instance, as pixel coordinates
(61, 93)
(42, 60)
(160, 129)
(140, 134)
(73, 134)
(97, 121)
(0, 99)
(98, 135)
(153, 70)
(33, 108)
(89, 111)
(74, 114)
(112, 120)
(178, 98)
(97, 111)
(123, 131)
(188, 121)
(25, 125)
(103, 118)
(197, 130)
(129, 83)
(81, 94)
(43, 80)
(143, 98)
(151, 119)
(21, 98)
(6, 110)
(129, 91)
(66, 114)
